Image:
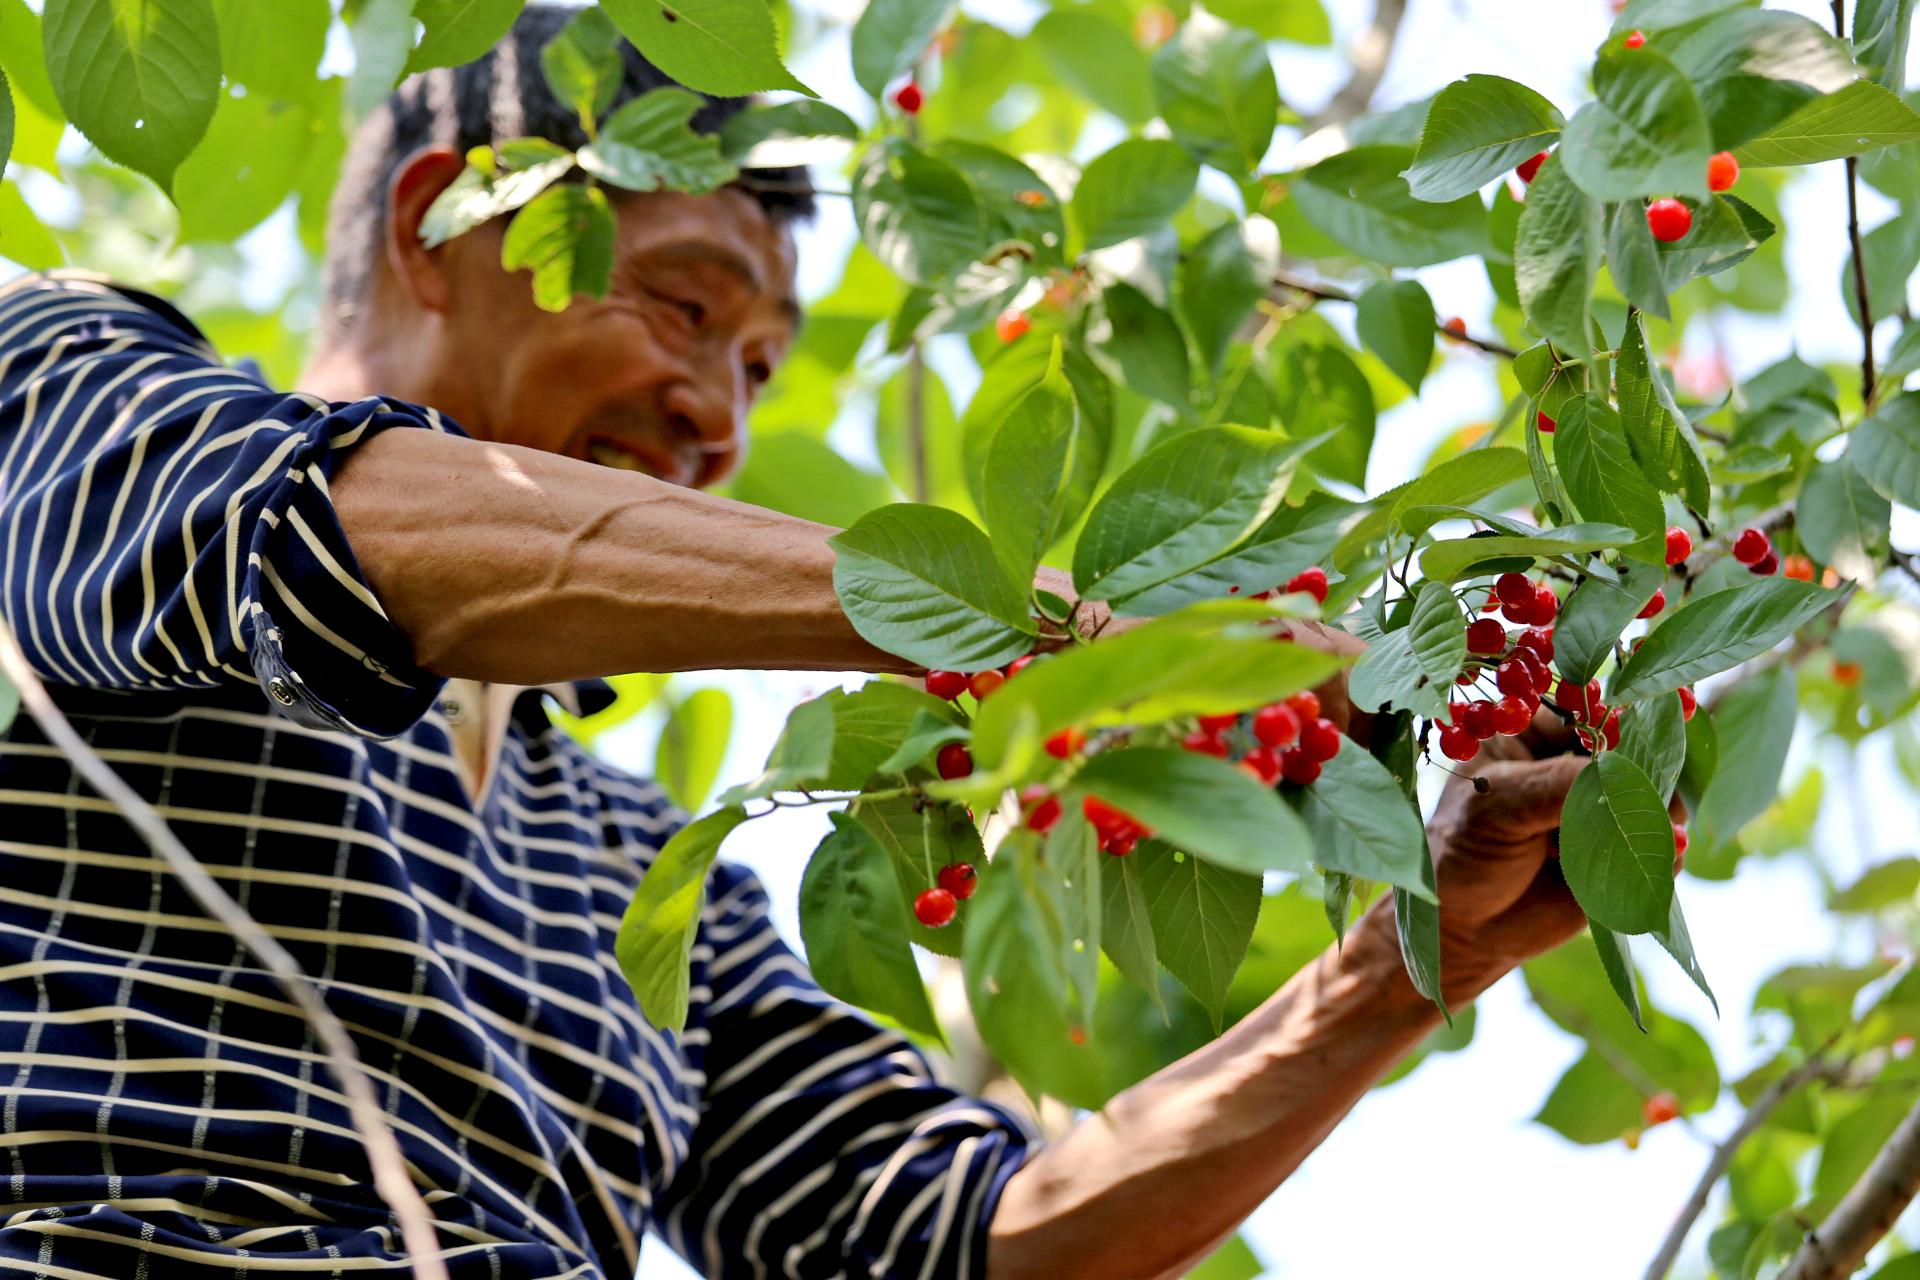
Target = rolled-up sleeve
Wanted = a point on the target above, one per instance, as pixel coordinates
(167, 521)
(826, 1146)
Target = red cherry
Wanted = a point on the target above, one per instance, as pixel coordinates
(1220, 723)
(954, 761)
(1104, 816)
(1679, 840)
(1751, 546)
(1512, 677)
(1669, 220)
(1320, 740)
(1305, 704)
(1477, 718)
(1514, 589)
(1539, 641)
(1846, 673)
(934, 907)
(1457, 744)
(1767, 566)
(1491, 604)
(1120, 843)
(1511, 715)
(1635, 39)
(1687, 701)
(1276, 725)
(1530, 166)
(1263, 763)
(1659, 1109)
(1468, 674)
(1679, 544)
(1018, 665)
(959, 879)
(1546, 606)
(1722, 171)
(1486, 635)
(1545, 423)
(1455, 326)
(1538, 670)
(946, 684)
(1068, 742)
(1297, 767)
(1655, 603)
(1609, 731)
(985, 682)
(1203, 743)
(1311, 580)
(908, 98)
(1011, 325)
(1042, 806)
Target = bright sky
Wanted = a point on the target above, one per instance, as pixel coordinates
(1443, 1173)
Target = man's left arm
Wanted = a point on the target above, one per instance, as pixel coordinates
(1148, 1185)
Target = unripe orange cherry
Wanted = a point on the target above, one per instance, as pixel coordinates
(1722, 171)
(1012, 325)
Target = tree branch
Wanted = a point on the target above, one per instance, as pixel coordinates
(1372, 51)
(1867, 1212)
(1723, 1154)
(390, 1177)
(1328, 293)
(1859, 258)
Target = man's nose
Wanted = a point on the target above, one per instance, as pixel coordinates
(710, 412)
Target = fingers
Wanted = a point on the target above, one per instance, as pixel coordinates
(1677, 809)
(1526, 795)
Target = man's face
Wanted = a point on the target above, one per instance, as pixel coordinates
(658, 375)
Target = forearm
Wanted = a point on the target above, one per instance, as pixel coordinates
(1173, 1164)
(509, 564)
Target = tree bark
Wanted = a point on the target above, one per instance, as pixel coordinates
(1867, 1212)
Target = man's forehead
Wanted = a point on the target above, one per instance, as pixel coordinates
(726, 230)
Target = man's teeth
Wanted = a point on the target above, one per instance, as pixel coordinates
(614, 456)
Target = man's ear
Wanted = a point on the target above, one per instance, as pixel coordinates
(416, 184)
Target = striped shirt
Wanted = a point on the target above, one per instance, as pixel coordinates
(175, 570)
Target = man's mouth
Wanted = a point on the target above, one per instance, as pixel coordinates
(626, 455)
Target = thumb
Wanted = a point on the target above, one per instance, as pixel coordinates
(1526, 795)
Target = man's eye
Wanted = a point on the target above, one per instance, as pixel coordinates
(759, 372)
(693, 311)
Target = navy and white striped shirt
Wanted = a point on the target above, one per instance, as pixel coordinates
(175, 570)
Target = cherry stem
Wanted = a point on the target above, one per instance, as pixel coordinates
(1327, 293)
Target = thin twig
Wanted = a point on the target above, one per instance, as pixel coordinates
(390, 1176)
(1859, 257)
(1723, 1154)
(1371, 52)
(917, 420)
(1838, 1246)
(1328, 293)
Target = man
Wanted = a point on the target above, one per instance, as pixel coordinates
(251, 600)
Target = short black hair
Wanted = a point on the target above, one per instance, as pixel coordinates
(501, 95)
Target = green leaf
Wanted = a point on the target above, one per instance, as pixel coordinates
(1643, 135)
(1007, 188)
(1359, 198)
(917, 213)
(1199, 804)
(1633, 258)
(1880, 38)
(1886, 449)
(927, 732)
(1602, 478)
(1659, 434)
(1712, 633)
(1841, 520)
(853, 923)
(657, 931)
(1595, 614)
(1215, 89)
(891, 37)
(1617, 961)
(1616, 846)
(693, 742)
(1126, 925)
(870, 725)
(1015, 968)
(382, 34)
(1202, 917)
(1457, 558)
(1132, 189)
(1477, 129)
(1904, 358)
(565, 237)
(459, 31)
(790, 472)
(1395, 319)
(1556, 253)
(1418, 505)
(1363, 824)
(723, 47)
(1096, 59)
(1142, 345)
(1653, 734)
(1758, 714)
(772, 135)
(924, 583)
(1861, 117)
(474, 198)
(1678, 943)
(801, 755)
(582, 64)
(274, 49)
(139, 80)
(920, 839)
(648, 145)
(1725, 232)
(1234, 1260)
(1892, 253)
(1292, 539)
(1318, 389)
(1753, 68)
(1412, 668)
(1221, 280)
(1041, 470)
(1182, 504)
(245, 166)
(1879, 887)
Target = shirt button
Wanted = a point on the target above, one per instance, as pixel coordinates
(281, 691)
